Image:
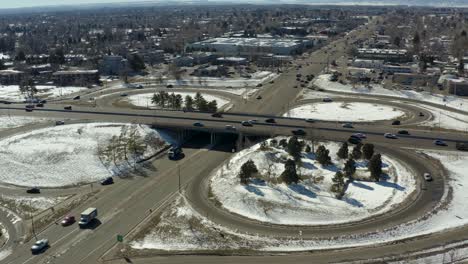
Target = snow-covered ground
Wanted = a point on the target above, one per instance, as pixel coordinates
(346, 111)
(182, 228)
(63, 155)
(445, 119)
(144, 100)
(13, 121)
(310, 202)
(257, 78)
(322, 81)
(12, 92)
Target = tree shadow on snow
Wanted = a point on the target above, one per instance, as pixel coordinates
(353, 202)
(385, 183)
(302, 190)
(254, 190)
(310, 155)
(362, 164)
(332, 168)
(309, 166)
(258, 182)
(361, 185)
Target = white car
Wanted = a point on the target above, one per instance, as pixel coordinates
(390, 135)
(427, 176)
(230, 127)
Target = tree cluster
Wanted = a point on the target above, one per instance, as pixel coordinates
(323, 156)
(248, 169)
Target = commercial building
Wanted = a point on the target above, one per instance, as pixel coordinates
(77, 77)
(113, 65)
(370, 64)
(10, 77)
(252, 46)
(387, 55)
(415, 79)
(458, 86)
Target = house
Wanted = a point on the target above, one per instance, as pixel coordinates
(10, 77)
(184, 61)
(415, 79)
(370, 64)
(211, 71)
(76, 77)
(391, 69)
(271, 60)
(387, 55)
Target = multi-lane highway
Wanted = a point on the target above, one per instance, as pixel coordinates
(134, 200)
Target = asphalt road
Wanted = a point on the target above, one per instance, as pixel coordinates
(128, 202)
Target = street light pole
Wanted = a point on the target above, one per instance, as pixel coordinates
(178, 173)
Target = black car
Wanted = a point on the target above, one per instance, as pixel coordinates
(403, 132)
(259, 97)
(29, 109)
(298, 132)
(77, 97)
(421, 114)
(246, 123)
(33, 190)
(354, 140)
(270, 120)
(68, 107)
(107, 181)
(40, 105)
(396, 123)
(219, 115)
(170, 86)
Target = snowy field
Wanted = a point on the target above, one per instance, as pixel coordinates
(13, 121)
(346, 111)
(27, 204)
(12, 92)
(63, 155)
(144, 100)
(445, 119)
(182, 228)
(310, 202)
(451, 101)
(257, 78)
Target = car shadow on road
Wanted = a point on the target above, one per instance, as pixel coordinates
(95, 223)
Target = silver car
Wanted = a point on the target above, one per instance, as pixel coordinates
(40, 245)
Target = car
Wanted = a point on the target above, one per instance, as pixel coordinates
(246, 123)
(68, 220)
(218, 115)
(310, 120)
(359, 135)
(31, 106)
(124, 94)
(421, 114)
(354, 140)
(29, 109)
(327, 100)
(33, 190)
(259, 85)
(139, 86)
(403, 132)
(440, 142)
(295, 86)
(230, 127)
(259, 97)
(68, 107)
(107, 181)
(59, 122)
(39, 246)
(347, 125)
(390, 135)
(396, 123)
(174, 153)
(270, 120)
(253, 121)
(39, 105)
(169, 86)
(298, 75)
(198, 124)
(427, 177)
(298, 132)
(7, 103)
(77, 97)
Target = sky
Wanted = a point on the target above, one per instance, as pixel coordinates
(29, 3)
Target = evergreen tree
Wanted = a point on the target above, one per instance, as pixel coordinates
(338, 184)
(198, 100)
(247, 170)
(323, 155)
(283, 143)
(289, 174)
(356, 153)
(189, 102)
(375, 167)
(308, 149)
(349, 168)
(136, 63)
(343, 151)
(212, 106)
(294, 148)
(368, 151)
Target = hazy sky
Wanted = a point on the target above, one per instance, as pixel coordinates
(28, 3)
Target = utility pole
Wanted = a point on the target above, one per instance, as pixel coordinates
(32, 221)
(178, 173)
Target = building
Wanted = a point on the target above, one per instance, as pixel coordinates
(10, 77)
(76, 77)
(113, 65)
(458, 86)
(231, 61)
(415, 79)
(203, 57)
(396, 69)
(387, 55)
(369, 64)
(211, 71)
(274, 60)
(252, 46)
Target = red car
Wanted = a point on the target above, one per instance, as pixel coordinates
(68, 220)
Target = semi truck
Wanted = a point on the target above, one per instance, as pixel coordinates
(87, 216)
